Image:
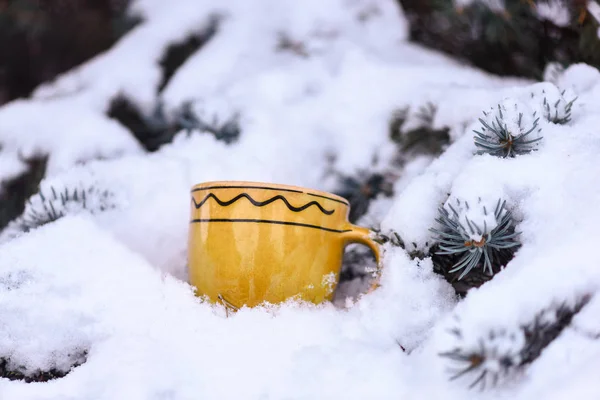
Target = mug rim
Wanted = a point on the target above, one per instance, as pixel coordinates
(270, 185)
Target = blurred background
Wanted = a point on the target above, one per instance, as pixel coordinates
(39, 39)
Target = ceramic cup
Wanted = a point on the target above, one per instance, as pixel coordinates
(251, 242)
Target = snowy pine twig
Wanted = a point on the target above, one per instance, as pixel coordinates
(506, 135)
(559, 111)
(502, 353)
(472, 240)
(228, 131)
(45, 207)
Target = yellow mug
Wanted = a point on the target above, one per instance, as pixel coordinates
(252, 243)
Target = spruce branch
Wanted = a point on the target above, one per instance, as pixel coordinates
(426, 114)
(478, 244)
(52, 204)
(15, 192)
(502, 353)
(362, 188)
(498, 139)
(393, 238)
(227, 131)
(414, 132)
(395, 123)
(558, 112)
(158, 127)
(152, 130)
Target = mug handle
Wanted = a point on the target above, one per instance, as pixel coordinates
(358, 234)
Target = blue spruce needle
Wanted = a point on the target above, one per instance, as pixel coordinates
(456, 237)
(498, 140)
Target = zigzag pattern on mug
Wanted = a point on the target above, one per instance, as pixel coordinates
(261, 203)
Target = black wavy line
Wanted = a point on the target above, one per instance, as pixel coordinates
(261, 203)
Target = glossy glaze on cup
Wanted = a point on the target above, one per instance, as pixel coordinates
(254, 242)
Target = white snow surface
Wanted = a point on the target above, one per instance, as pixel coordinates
(113, 284)
(555, 11)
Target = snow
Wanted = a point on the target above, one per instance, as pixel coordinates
(29, 128)
(110, 279)
(555, 11)
(148, 336)
(11, 166)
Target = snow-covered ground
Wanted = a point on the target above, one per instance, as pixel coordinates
(112, 284)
